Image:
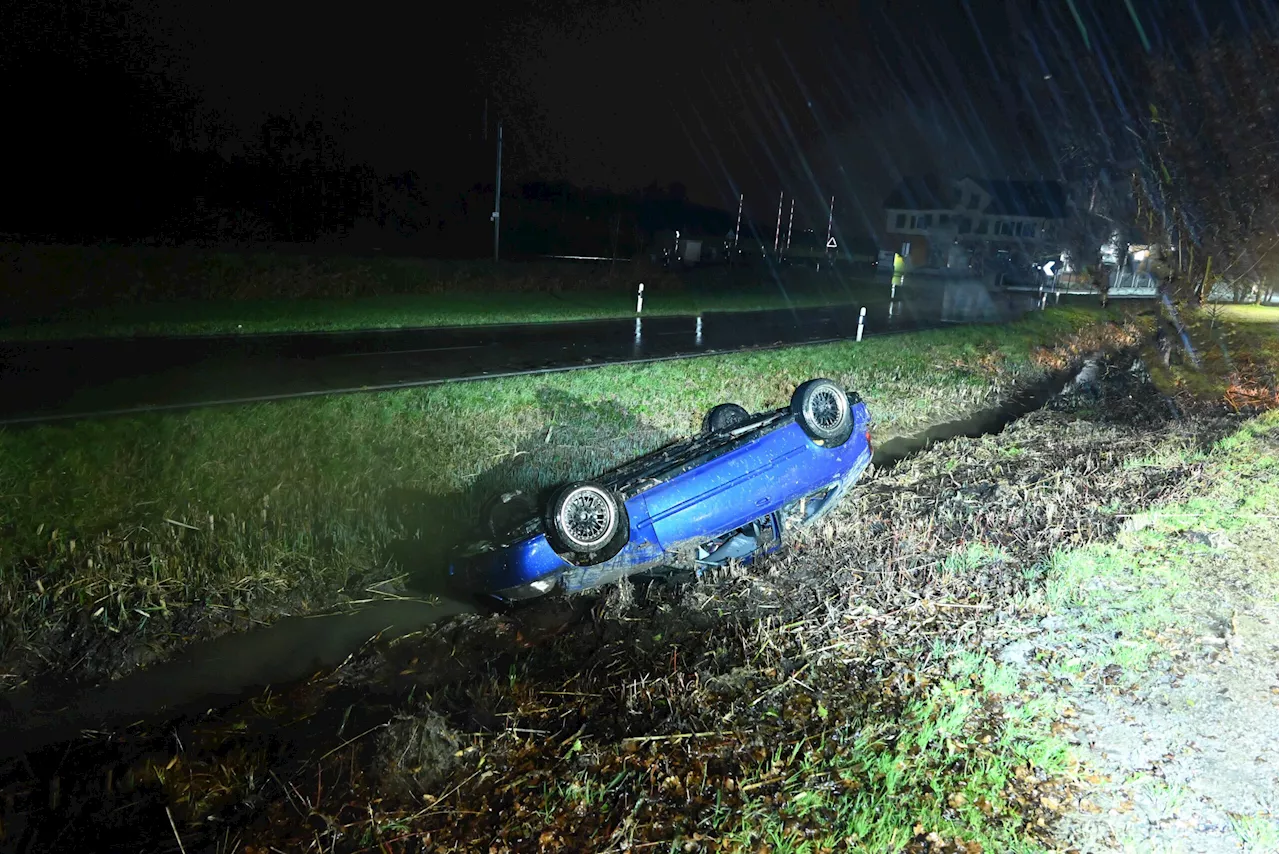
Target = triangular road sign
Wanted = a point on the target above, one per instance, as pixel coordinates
(831, 243)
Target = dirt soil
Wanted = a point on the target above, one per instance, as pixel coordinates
(686, 689)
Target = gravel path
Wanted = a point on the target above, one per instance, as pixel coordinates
(1185, 757)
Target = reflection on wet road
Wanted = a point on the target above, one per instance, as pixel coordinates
(47, 380)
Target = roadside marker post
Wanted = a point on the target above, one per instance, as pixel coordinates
(862, 318)
(697, 332)
(639, 308)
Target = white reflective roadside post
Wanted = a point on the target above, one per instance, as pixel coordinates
(639, 308)
(697, 332)
(862, 318)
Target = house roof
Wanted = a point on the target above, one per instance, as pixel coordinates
(920, 194)
(1047, 199)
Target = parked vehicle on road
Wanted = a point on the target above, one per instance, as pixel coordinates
(735, 491)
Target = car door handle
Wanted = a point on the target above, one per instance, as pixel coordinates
(761, 502)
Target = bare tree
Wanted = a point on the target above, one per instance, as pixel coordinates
(1207, 183)
(1172, 147)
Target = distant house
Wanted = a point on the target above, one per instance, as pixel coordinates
(972, 222)
(686, 234)
(673, 247)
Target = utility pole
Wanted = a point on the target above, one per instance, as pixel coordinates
(831, 215)
(790, 222)
(497, 196)
(738, 226)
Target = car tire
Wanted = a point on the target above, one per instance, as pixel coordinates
(725, 417)
(502, 514)
(586, 523)
(822, 409)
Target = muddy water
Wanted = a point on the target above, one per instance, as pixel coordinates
(213, 673)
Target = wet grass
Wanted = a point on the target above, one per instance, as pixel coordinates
(1235, 357)
(1257, 833)
(69, 292)
(846, 695)
(1145, 587)
(123, 537)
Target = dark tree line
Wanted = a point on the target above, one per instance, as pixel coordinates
(105, 143)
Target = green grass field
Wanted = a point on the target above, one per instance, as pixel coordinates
(69, 292)
(395, 312)
(271, 508)
(1235, 346)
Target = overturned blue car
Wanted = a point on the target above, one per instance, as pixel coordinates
(735, 491)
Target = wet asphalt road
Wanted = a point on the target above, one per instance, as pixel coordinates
(51, 380)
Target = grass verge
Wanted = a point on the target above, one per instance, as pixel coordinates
(1233, 357)
(1146, 586)
(125, 537)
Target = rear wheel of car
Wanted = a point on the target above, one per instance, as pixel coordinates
(587, 523)
(822, 409)
(724, 418)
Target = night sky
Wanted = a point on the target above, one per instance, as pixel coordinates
(814, 98)
(721, 96)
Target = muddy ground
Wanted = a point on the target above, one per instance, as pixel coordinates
(487, 732)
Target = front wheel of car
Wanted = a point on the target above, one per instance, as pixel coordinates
(822, 409)
(587, 523)
(725, 417)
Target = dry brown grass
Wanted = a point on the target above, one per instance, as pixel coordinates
(683, 696)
